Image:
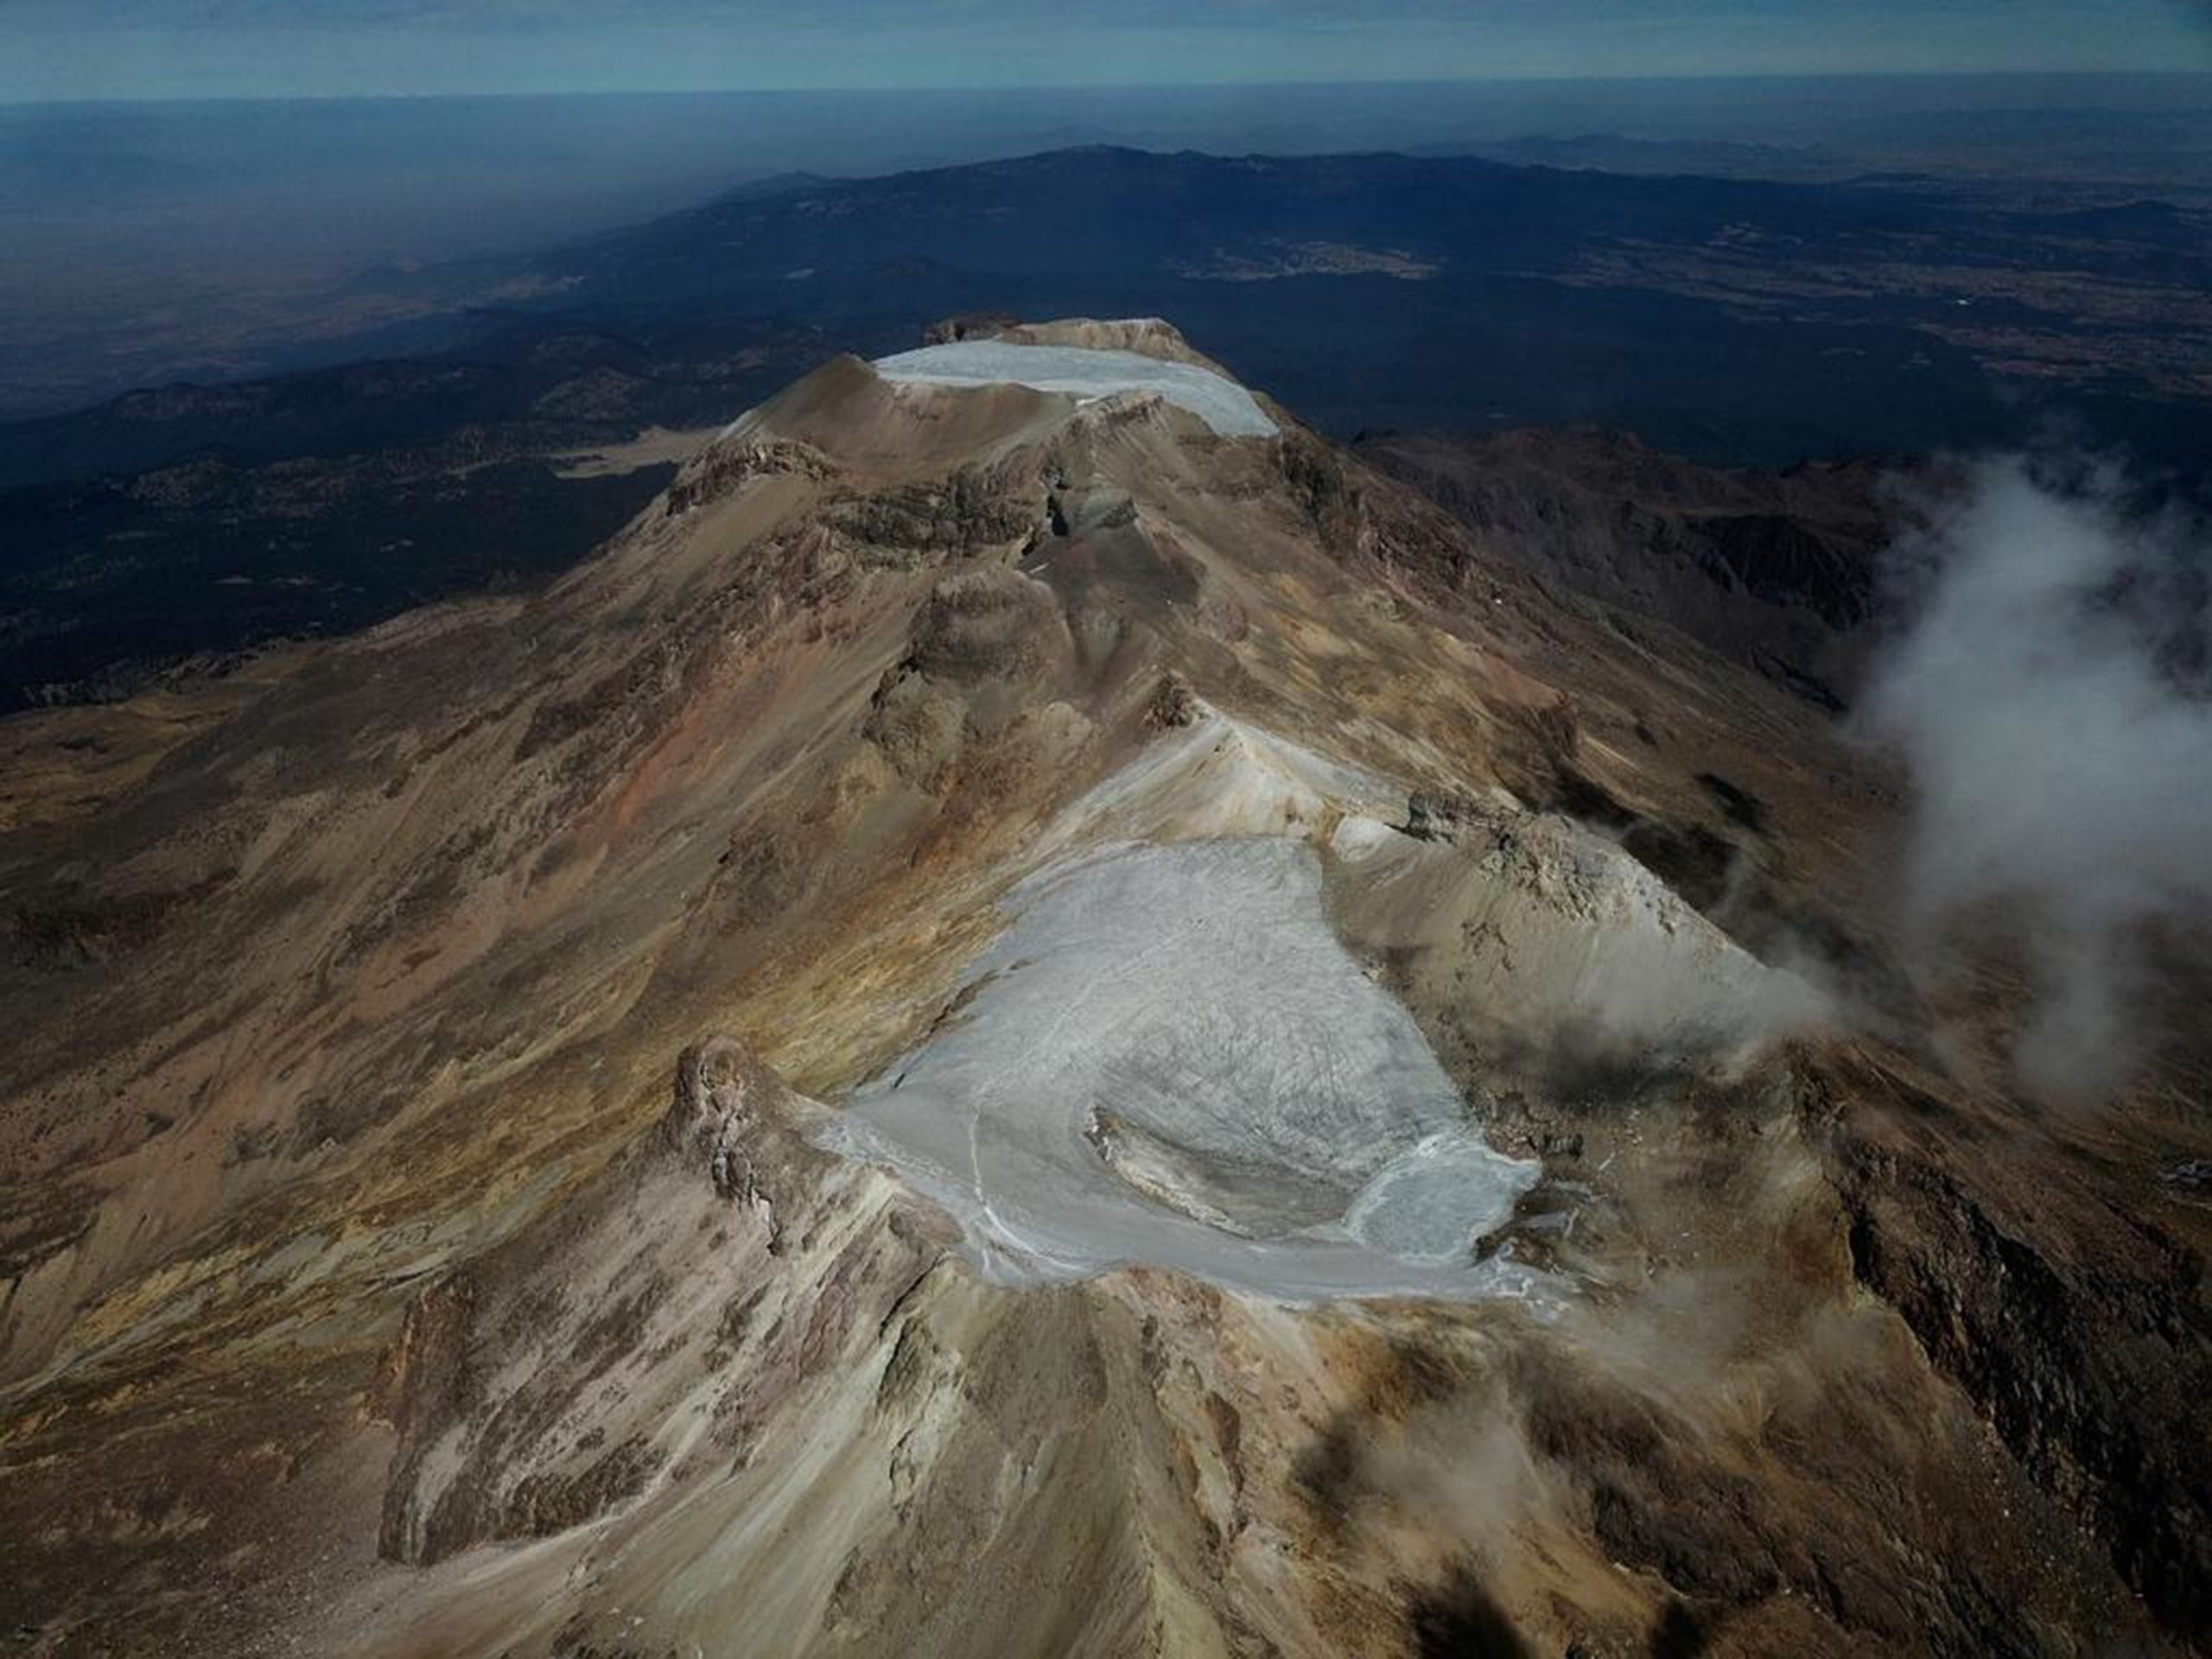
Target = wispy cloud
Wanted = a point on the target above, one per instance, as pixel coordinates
(2061, 764)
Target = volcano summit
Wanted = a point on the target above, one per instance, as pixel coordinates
(1039, 1016)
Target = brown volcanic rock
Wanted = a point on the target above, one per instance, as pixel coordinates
(530, 1391)
(348, 1203)
(2074, 1323)
(1776, 569)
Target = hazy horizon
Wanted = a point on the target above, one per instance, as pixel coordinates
(152, 240)
(101, 49)
(2112, 78)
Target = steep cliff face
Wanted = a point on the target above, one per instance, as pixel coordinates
(413, 1245)
(2069, 1313)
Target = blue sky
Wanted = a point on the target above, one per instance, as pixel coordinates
(91, 49)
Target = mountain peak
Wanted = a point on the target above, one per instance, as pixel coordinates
(1159, 857)
(976, 396)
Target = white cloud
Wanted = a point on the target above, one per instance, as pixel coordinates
(2062, 773)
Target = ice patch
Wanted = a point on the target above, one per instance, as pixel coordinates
(1427, 1202)
(1358, 835)
(1171, 1060)
(1218, 401)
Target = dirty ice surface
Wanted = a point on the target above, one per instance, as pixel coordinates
(1169, 1059)
(1219, 402)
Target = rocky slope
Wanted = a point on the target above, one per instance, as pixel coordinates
(430, 1228)
(1776, 569)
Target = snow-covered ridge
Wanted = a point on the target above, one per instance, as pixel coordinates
(1168, 1057)
(1172, 1057)
(1222, 404)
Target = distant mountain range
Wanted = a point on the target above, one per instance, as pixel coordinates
(1375, 289)
(1733, 321)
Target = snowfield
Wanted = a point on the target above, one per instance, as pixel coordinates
(1219, 402)
(1169, 1059)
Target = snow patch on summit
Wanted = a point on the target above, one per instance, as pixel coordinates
(1222, 404)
